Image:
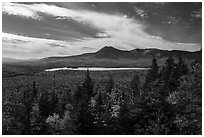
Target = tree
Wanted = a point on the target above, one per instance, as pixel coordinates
(78, 94)
(188, 102)
(135, 85)
(13, 113)
(181, 67)
(65, 98)
(53, 102)
(85, 120)
(125, 120)
(98, 113)
(168, 68)
(27, 102)
(83, 107)
(170, 75)
(35, 91)
(155, 114)
(151, 77)
(110, 85)
(65, 125)
(43, 104)
(153, 72)
(88, 85)
(19, 111)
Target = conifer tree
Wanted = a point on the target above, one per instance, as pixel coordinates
(65, 99)
(53, 102)
(77, 95)
(181, 67)
(168, 68)
(156, 114)
(34, 89)
(151, 77)
(124, 119)
(85, 117)
(153, 72)
(135, 85)
(188, 103)
(88, 85)
(110, 85)
(27, 102)
(43, 105)
(99, 111)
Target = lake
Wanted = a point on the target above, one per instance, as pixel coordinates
(94, 69)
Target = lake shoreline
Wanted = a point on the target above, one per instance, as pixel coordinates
(93, 69)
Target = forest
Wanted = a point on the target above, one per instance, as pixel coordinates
(164, 100)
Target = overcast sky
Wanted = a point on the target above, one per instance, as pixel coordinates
(37, 30)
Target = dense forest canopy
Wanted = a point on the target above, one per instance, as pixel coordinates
(166, 100)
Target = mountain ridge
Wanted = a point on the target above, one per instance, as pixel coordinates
(111, 57)
(109, 52)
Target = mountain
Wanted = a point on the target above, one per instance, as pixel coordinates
(107, 57)
(112, 53)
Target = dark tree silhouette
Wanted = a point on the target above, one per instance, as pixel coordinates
(110, 85)
(135, 85)
(88, 85)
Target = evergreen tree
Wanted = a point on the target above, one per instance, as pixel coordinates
(99, 111)
(181, 67)
(43, 105)
(35, 92)
(188, 102)
(65, 98)
(155, 114)
(85, 120)
(28, 101)
(125, 120)
(53, 102)
(88, 85)
(85, 117)
(78, 95)
(135, 85)
(153, 72)
(168, 68)
(110, 85)
(151, 77)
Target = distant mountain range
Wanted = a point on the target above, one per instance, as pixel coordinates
(109, 57)
(108, 52)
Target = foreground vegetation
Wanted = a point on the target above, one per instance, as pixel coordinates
(165, 100)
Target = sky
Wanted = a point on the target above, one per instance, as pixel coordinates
(38, 30)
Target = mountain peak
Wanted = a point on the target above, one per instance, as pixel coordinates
(108, 52)
(108, 48)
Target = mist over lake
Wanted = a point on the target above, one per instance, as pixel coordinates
(94, 69)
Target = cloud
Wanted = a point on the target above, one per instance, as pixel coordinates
(102, 35)
(116, 30)
(87, 48)
(19, 10)
(30, 48)
(197, 13)
(56, 45)
(39, 47)
(140, 12)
